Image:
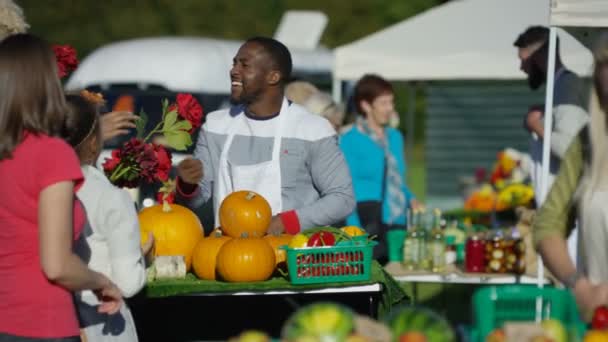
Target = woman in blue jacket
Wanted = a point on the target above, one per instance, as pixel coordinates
(375, 155)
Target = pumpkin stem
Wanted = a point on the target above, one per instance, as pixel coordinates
(217, 233)
(283, 273)
(244, 235)
(250, 195)
(166, 206)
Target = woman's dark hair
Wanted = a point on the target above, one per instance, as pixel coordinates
(82, 120)
(31, 98)
(369, 88)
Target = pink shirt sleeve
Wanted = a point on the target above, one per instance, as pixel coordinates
(57, 162)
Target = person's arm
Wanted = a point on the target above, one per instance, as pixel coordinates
(189, 192)
(550, 229)
(550, 226)
(120, 226)
(58, 262)
(331, 177)
(568, 121)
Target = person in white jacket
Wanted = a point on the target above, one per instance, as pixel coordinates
(111, 237)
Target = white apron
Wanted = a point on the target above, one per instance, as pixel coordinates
(263, 178)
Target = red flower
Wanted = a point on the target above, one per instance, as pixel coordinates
(163, 156)
(189, 109)
(170, 198)
(111, 163)
(135, 162)
(66, 59)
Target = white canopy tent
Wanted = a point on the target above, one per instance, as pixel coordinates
(464, 39)
(579, 13)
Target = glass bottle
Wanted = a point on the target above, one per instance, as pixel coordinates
(410, 243)
(437, 244)
(424, 257)
(450, 250)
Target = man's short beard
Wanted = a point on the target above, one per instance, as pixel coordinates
(536, 78)
(245, 100)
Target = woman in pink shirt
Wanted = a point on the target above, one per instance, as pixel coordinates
(39, 216)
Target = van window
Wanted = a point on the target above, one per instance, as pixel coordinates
(129, 97)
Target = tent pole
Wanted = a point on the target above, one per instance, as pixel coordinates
(337, 90)
(546, 148)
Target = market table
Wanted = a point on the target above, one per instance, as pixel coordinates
(201, 309)
(455, 275)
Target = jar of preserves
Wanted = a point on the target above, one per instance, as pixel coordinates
(474, 256)
(495, 254)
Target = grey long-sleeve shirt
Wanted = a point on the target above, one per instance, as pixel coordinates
(315, 179)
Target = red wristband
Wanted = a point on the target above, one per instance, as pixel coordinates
(290, 222)
(186, 190)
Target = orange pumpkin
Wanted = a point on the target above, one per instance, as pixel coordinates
(246, 259)
(175, 228)
(245, 212)
(276, 241)
(204, 258)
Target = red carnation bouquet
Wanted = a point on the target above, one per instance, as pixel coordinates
(139, 161)
(66, 59)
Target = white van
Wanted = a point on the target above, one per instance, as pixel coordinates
(149, 69)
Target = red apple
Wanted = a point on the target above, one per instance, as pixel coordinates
(600, 318)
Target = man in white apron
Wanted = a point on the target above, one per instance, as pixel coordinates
(266, 144)
(569, 115)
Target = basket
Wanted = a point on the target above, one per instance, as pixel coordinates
(495, 305)
(347, 261)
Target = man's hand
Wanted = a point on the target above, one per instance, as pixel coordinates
(114, 124)
(534, 122)
(276, 225)
(190, 171)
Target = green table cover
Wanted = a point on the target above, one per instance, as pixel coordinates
(392, 293)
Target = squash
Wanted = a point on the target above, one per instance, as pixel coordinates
(246, 259)
(176, 230)
(204, 258)
(353, 231)
(276, 241)
(245, 212)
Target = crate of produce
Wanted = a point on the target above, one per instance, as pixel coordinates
(495, 305)
(346, 261)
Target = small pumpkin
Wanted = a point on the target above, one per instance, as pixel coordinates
(245, 212)
(276, 241)
(176, 230)
(204, 258)
(246, 259)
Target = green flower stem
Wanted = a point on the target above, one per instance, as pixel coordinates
(115, 171)
(117, 175)
(155, 130)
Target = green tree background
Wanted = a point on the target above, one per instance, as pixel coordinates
(87, 24)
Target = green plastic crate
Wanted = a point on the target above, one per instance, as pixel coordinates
(345, 262)
(495, 305)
